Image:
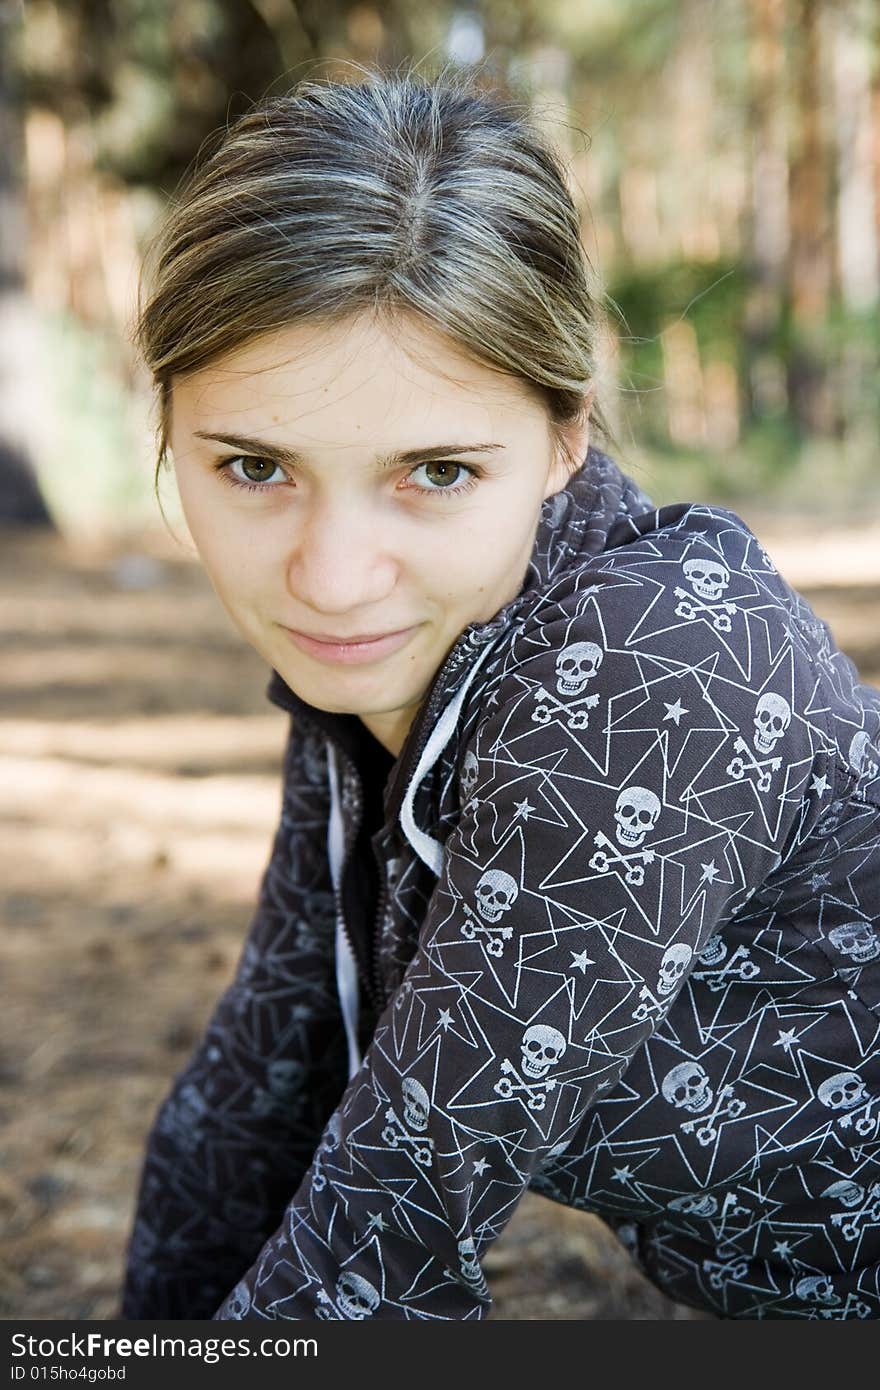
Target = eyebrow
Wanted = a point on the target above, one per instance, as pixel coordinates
(280, 454)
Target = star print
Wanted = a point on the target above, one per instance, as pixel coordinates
(710, 872)
(820, 785)
(675, 712)
(580, 961)
(783, 1249)
(376, 1221)
(445, 1019)
(622, 1174)
(480, 1166)
(523, 809)
(785, 1040)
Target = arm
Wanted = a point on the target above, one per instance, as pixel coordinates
(593, 860)
(240, 1124)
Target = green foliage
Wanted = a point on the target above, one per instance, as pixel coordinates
(95, 466)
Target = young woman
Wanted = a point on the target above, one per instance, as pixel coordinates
(576, 883)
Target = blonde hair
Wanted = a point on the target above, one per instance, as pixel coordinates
(397, 192)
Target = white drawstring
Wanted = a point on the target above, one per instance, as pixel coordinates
(429, 850)
(346, 965)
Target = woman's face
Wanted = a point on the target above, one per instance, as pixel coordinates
(336, 486)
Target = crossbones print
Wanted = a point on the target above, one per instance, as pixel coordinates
(852, 1307)
(576, 716)
(649, 1007)
(745, 970)
(867, 1120)
(394, 1134)
(691, 607)
(496, 935)
(608, 855)
(721, 1274)
(536, 1090)
(849, 1221)
(747, 763)
(705, 1128)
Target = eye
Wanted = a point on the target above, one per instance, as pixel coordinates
(442, 474)
(256, 465)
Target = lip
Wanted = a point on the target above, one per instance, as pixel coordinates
(348, 651)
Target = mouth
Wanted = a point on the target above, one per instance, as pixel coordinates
(354, 650)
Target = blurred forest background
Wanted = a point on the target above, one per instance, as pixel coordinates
(726, 156)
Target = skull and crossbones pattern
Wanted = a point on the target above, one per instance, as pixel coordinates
(857, 940)
(541, 1049)
(847, 1093)
(738, 966)
(675, 961)
(409, 1132)
(495, 894)
(356, 1299)
(636, 813)
(469, 1266)
(687, 1087)
(576, 665)
(771, 720)
(470, 770)
(709, 579)
(860, 757)
(862, 1207)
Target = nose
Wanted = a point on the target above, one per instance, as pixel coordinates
(339, 562)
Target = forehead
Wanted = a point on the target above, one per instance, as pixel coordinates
(364, 367)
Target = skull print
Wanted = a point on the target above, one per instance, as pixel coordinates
(496, 893)
(816, 1288)
(858, 940)
(687, 1087)
(676, 959)
(708, 578)
(577, 664)
(469, 772)
(636, 813)
(416, 1104)
(542, 1048)
(772, 718)
(356, 1297)
(845, 1191)
(860, 760)
(842, 1091)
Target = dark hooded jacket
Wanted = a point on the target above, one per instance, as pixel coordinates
(606, 930)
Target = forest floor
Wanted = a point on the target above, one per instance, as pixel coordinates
(139, 791)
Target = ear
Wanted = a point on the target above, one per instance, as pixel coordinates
(576, 437)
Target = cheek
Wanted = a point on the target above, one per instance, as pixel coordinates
(226, 544)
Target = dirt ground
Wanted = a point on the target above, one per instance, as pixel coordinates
(139, 791)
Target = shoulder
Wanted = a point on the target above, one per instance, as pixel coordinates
(682, 624)
(677, 584)
(662, 675)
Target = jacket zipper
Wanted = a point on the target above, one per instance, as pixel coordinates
(373, 981)
(424, 734)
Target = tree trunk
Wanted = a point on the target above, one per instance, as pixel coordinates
(768, 230)
(21, 502)
(859, 264)
(810, 261)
